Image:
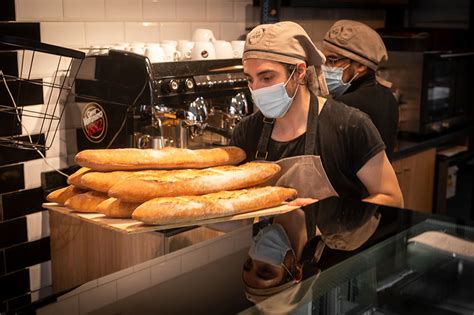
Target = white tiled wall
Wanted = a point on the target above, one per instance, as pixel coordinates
(76, 24)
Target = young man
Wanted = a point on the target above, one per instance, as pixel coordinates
(353, 52)
(282, 66)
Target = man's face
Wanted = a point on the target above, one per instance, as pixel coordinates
(262, 73)
(261, 275)
(335, 60)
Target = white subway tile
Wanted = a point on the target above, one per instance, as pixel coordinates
(114, 276)
(175, 31)
(214, 27)
(104, 33)
(84, 10)
(97, 297)
(39, 10)
(123, 10)
(68, 306)
(40, 118)
(68, 34)
(83, 288)
(40, 275)
(220, 10)
(191, 10)
(133, 283)
(38, 65)
(34, 168)
(166, 270)
(145, 32)
(195, 259)
(232, 31)
(37, 226)
(162, 10)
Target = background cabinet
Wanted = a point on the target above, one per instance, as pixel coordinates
(416, 178)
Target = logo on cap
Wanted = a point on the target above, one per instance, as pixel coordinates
(256, 36)
(342, 34)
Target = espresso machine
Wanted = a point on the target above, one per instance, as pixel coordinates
(184, 104)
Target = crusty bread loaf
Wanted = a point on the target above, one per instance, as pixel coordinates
(75, 179)
(115, 208)
(167, 158)
(86, 202)
(188, 182)
(62, 194)
(103, 181)
(169, 210)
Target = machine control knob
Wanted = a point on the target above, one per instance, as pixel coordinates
(171, 86)
(174, 85)
(189, 84)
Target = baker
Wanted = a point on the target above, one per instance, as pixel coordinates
(353, 53)
(325, 148)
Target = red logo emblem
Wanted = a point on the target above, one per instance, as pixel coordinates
(94, 122)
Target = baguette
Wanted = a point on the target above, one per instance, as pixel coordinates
(167, 158)
(103, 181)
(61, 195)
(75, 178)
(141, 188)
(225, 203)
(86, 202)
(115, 208)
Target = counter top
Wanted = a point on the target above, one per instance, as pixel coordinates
(376, 253)
(408, 145)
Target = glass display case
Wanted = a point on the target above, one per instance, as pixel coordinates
(421, 270)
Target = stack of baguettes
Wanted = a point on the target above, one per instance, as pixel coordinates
(170, 185)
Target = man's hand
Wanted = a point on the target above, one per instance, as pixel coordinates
(301, 202)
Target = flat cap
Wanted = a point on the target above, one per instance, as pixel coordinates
(355, 41)
(285, 42)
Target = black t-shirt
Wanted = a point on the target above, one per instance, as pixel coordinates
(379, 103)
(346, 140)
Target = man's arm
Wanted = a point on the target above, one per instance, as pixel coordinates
(380, 180)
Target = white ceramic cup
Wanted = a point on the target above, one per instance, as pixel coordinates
(203, 51)
(173, 43)
(238, 48)
(171, 54)
(138, 48)
(155, 53)
(223, 49)
(203, 35)
(185, 47)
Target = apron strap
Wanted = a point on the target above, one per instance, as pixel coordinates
(311, 132)
(310, 147)
(262, 146)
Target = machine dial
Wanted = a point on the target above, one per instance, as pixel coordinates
(189, 84)
(171, 86)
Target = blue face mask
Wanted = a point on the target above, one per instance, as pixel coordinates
(271, 245)
(273, 101)
(333, 76)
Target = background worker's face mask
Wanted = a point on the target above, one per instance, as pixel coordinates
(271, 245)
(333, 76)
(273, 101)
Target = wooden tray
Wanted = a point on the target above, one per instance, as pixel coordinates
(131, 226)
